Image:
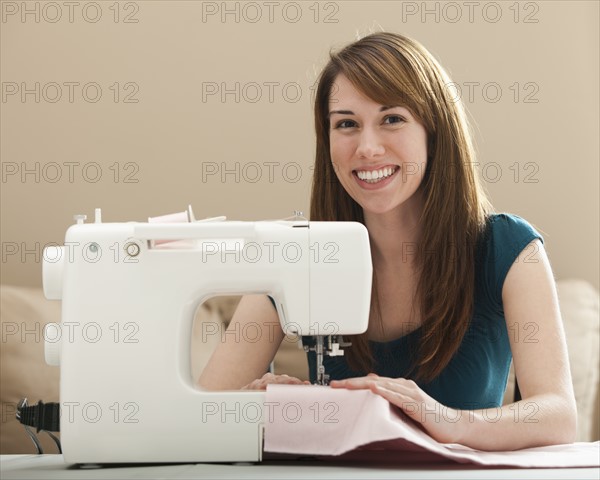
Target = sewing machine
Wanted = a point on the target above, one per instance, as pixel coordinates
(129, 294)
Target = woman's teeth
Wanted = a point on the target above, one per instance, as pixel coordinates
(375, 176)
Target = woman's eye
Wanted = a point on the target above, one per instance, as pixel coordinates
(393, 119)
(345, 124)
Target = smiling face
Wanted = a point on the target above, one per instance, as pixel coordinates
(379, 152)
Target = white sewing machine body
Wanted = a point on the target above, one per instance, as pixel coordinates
(130, 292)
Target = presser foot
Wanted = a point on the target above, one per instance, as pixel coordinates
(329, 345)
(322, 378)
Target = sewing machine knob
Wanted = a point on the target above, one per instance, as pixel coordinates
(132, 249)
(52, 271)
(52, 344)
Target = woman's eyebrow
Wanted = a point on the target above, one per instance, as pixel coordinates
(350, 112)
(341, 112)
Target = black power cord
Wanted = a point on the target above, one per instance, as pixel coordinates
(44, 417)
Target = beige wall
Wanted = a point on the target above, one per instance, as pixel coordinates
(161, 57)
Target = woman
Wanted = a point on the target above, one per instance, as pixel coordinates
(456, 288)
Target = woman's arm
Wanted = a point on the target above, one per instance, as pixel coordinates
(547, 414)
(240, 359)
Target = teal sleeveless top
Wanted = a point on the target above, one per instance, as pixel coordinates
(477, 374)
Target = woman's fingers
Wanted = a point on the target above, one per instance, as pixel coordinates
(358, 383)
(269, 378)
(352, 383)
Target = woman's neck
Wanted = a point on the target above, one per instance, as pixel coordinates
(394, 235)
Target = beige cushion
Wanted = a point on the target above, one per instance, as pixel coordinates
(580, 312)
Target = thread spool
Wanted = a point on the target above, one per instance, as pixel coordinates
(179, 217)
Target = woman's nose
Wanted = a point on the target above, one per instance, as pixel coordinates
(370, 144)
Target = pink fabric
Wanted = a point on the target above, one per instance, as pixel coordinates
(357, 425)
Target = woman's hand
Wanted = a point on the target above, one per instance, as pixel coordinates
(261, 383)
(441, 423)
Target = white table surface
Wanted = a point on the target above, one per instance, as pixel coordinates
(53, 467)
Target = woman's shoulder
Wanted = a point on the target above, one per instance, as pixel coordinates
(508, 228)
(505, 236)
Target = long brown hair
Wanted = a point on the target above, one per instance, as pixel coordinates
(392, 69)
